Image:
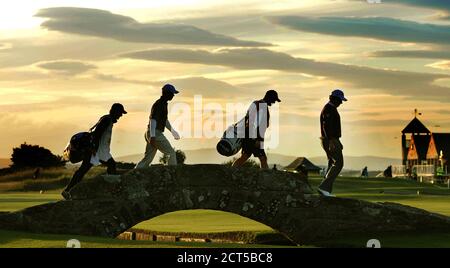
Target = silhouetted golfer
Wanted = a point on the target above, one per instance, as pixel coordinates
(330, 127)
(37, 173)
(364, 173)
(154, 135)
(256, 123)
(101, 147)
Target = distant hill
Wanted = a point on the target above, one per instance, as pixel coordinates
(359, 162)
(5, 162)
(210, 156)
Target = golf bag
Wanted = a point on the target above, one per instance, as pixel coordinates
(79, 145)
(229, 144)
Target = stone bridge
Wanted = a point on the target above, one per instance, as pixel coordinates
(108, 205)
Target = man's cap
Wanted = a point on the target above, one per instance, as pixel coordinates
(170, 88)
(339, 94)
(272, 95)
(118, 107)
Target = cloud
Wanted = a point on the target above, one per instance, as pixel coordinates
(369, 113)
(57, 104)
(443, 65)
(104, 24)
(117, 79)
(26, 51)
(424, 54)
(380, 28)
(378, 123)
(189, 86)
(208, 88)
(20, 75)
(441, 5)
(393, 82)
(67, 67)
(435, 4)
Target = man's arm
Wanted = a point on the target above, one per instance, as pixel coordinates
(252, 117)
(262, 121)
(152, 132)
(152, 128)
(168, 125)
(99, 130)
(329, 124)
(173, 131)
(330, 130)
(153, 123)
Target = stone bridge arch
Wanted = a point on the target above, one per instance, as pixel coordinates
(108, 205)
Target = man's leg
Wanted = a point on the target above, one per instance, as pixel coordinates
(164, 146)
(241, 161)
(150, 153)
(325, 184)
(336, 167)
(330, 162)
(263, 162)
(247, 151)
(79, 174)
(261, 154)
(111, 166)
(325, 145)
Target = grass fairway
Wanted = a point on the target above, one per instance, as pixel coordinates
(434, 198)
(430, 197)
(202, 221)
(16, 201)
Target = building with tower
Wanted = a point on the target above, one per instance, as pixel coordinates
(424, 153)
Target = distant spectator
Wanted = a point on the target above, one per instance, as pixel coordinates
(387, 173)
(364, 173)
(414, 174)
(37, 173)
(275, 167)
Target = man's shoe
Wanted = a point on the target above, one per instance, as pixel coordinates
(325, 193)
(66, 195)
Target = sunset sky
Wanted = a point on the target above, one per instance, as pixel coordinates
(63, 63)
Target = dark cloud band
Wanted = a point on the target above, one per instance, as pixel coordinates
(421, 54)
(380, 28)
(441, 5)
(104, 24)
(394, 82)
(67, 67)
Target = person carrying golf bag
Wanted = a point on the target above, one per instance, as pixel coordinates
(99, 151)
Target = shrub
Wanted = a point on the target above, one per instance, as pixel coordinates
(181, 158)
(33, 156)
(249, 164)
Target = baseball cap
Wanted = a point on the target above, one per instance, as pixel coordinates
(170, 88)
(118, 107)
(273, 95)
(339, 94)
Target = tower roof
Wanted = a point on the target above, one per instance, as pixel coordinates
(304, 163)
(415, 126)
(421, 142)
(442, 142)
